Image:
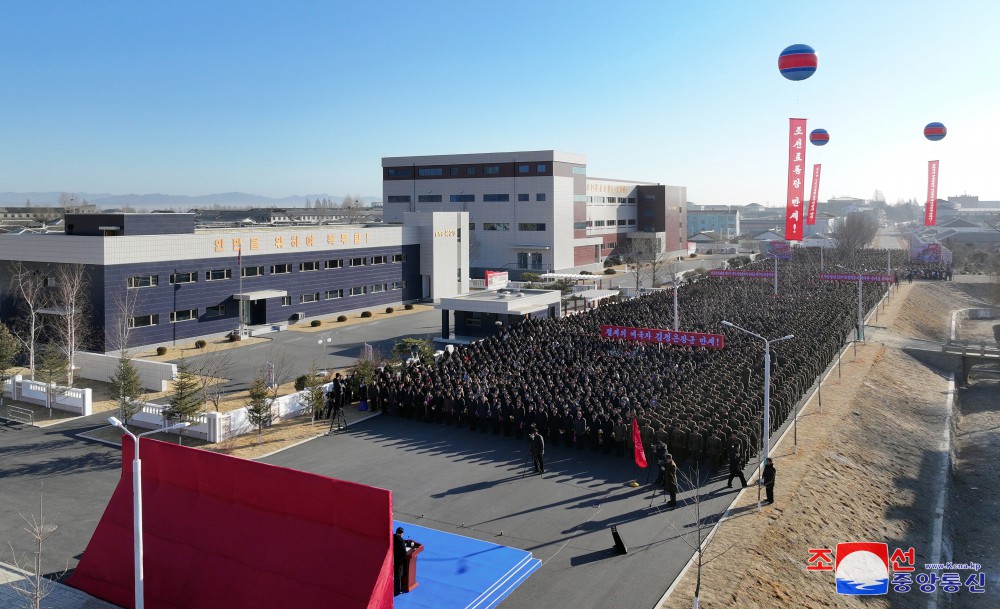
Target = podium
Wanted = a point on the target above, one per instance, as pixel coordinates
(411, 566)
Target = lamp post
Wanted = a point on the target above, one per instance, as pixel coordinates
(677, 323)
(320, 341)
(766, 436)
(137, 502)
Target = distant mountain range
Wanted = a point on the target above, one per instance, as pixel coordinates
(156, 201)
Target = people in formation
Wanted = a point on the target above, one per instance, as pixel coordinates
(580, 391)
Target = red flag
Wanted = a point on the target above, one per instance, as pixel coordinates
(239, 256)
(640, 453)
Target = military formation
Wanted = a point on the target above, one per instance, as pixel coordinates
(581, 391)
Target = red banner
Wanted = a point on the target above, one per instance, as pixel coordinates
(813, 196)
(739, 273)
(640, 452)
(796, 175)
(854, 277)
(930, 212)
(651, 335)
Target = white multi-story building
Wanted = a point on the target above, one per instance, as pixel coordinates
(536, 211)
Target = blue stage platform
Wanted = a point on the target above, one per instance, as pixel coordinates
(456, 572)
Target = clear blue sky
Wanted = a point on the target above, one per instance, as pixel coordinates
(295, 97)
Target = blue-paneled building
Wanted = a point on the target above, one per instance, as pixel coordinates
(184, 283)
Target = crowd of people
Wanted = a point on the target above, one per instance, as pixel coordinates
(580, 391)
(937, 271)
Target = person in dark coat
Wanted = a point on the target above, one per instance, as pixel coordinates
(769, 473)
(670, 480)
(398, 561)
(537, 450)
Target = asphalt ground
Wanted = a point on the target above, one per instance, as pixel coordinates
(481, 485)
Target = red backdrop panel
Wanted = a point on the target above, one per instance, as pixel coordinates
(224, 532)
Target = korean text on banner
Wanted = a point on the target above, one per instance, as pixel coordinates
(813, 196)
(640, 452)
(796, 181)
(930, 212)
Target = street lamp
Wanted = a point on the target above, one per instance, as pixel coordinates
(320, 342)
(766, 436)
(137, 502)
(676, 286)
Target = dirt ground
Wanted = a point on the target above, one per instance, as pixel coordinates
(864, 471)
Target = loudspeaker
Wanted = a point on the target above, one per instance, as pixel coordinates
(619, 544)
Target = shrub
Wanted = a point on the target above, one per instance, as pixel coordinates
(235, 337)
(530, 277)
(300, 382)
(366, 314)
(609, 271)
(161, 350)
(200, 344)
(315, 323)
(341, 318)
(693, 255)
(389, 310)
(408, 307)
(586, 273)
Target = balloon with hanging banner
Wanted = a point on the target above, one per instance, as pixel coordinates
(797, 62)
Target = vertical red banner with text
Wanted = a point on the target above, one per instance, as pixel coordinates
(813, 195)
(930, 212)
(796, 178)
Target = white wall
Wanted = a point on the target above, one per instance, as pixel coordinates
(154, 376)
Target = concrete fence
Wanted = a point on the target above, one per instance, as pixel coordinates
(70, 399)
(154, 376)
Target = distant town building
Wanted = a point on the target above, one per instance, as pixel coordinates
(723, 222)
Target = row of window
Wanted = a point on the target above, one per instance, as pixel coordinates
(464, 170)
(487, 198)
(149, 281)
(505, 226)
(620, 222)
(153, 319)
(619, 200)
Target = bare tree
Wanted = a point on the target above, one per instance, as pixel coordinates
(691, 479)
(71, 300)
(29, 286)
(645, 257)
(213, 372)
(35, 587)
(855, 232)
(351, 209)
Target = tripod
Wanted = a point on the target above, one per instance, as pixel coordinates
(337, 419)
(524, 468)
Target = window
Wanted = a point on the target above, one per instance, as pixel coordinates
(522, 260)
(333, 294)
(252, 271)
(399, 198)
(522, 197)
(531, 226)
(304, 298)
(648, 197)
(524, 168)
(142, 321)
(580, 171)
(428, 198)
(183, 277)
(540, 196)
(631, 221)
(312, 265)
(541, 168)
(219, 311)
(281, 269)
(495, 198)
(491, 170)
(334, 264)
(358, 291)
(399, 257)
(456, 171)
(399, 172)
(186, 315)
(379, 259)
(474, 320)
(496, 226)
(219, 274)
(536, 261)
(357, 261)
(378, 287)
(579, 225)
(470, 171)
(141, 281)
(398, 285)
(430, 172)
(50, 282)
(631, 200)
(463, 198)
(590, 223)
(621, 222)
(472, 226)
(286, 301)
(598, 222)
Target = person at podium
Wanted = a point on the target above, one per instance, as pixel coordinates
(398, 561)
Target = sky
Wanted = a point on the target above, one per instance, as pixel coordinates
(294, 97)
